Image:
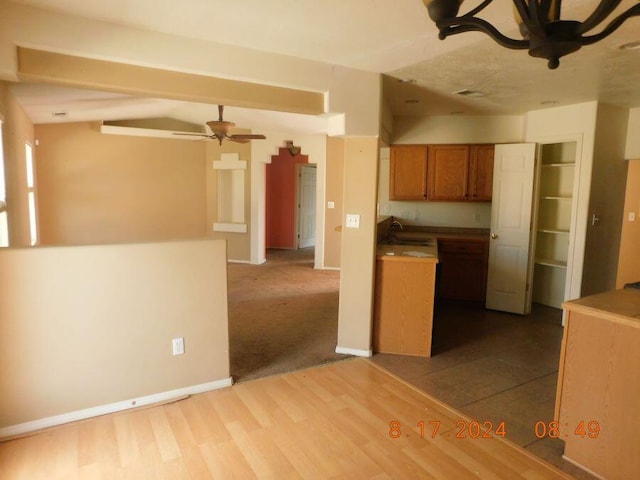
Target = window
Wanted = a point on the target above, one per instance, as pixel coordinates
(4, 223)
(31, 191)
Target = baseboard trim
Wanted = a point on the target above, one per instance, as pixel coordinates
(23, 428)
(354, 351)
(335, 269)
(231, 260)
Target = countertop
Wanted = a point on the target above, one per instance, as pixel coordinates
(621, 306)
(410, 253)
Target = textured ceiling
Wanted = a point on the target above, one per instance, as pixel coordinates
(392, 37)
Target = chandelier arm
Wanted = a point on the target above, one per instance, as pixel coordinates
(523, 11)
(478, 9)
(537, 21)
(461, 24)
(602, 11)
(544, 8)
(612, 27)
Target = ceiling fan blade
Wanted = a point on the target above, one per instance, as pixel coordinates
(247, 136)
(238, 140)
(193, 134)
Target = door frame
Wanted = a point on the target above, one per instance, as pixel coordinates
(296, 230)
(571, 287)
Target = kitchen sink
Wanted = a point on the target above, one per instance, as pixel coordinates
(424, 242)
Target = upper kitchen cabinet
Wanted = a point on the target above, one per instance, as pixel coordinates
(408, 172)
(448, 172)
(481, 172)
(444, 173)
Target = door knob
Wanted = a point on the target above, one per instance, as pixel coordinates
(494, 235)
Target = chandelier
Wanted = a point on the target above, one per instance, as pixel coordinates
(544, 34)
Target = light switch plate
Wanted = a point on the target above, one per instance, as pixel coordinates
(632, 216)
(178, 346)
(331, 205)
(353, 220)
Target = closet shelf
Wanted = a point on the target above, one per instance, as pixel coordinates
(550, 262)
(554, 165)
(553, 230)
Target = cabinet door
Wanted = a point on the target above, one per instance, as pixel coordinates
(448, 172)
(408, 172)
(481, 173)
(463, 270)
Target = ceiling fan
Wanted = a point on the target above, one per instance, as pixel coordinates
(220, 131)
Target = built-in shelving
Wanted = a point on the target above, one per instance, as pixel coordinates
(555, 200)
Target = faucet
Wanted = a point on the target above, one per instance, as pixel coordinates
(396, 225)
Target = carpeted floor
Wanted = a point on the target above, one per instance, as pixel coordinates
(283, 315)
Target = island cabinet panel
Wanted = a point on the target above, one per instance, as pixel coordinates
(463, 269)
(403, 318)
(598, 397)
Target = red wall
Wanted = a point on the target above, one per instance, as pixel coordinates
(281, 199)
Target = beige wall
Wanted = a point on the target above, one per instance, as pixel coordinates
(445, 129)
(95, 188)
(606, 200)
(358, 245)
(629, 260)
(17, 131)
(87, 326)
(334, 193)
(239, 244)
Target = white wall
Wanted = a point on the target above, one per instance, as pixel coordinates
(445, 129)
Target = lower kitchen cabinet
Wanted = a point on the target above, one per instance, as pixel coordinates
(463, 269)
(403, 311)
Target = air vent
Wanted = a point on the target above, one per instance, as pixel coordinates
(465, 92)
(59, 114)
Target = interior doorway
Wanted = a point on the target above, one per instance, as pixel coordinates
(554, 222)
(306, 205)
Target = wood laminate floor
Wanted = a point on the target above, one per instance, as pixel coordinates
(327, 422)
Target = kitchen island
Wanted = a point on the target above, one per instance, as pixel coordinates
(403, 311)
(598, 397)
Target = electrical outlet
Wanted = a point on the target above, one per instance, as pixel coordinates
(178, 346)
(353, 220)
(331, 205)
(632, 216)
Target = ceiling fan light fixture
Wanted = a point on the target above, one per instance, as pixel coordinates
(544, 34)
(293, 150)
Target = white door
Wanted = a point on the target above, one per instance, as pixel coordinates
(513, 174)
(306, 206)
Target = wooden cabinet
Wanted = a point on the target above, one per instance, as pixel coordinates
(408, 172)
(480, 180)
(597, 405)
(460, 173)
(403, 310)
(446, 173)
(463, 269)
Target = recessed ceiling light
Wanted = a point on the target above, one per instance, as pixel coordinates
(465, 92)
(630, 45)
(59, 114)
(412, 100)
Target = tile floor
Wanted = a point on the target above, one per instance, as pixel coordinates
(494, 366)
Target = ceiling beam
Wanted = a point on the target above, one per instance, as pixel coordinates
(43, 66)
